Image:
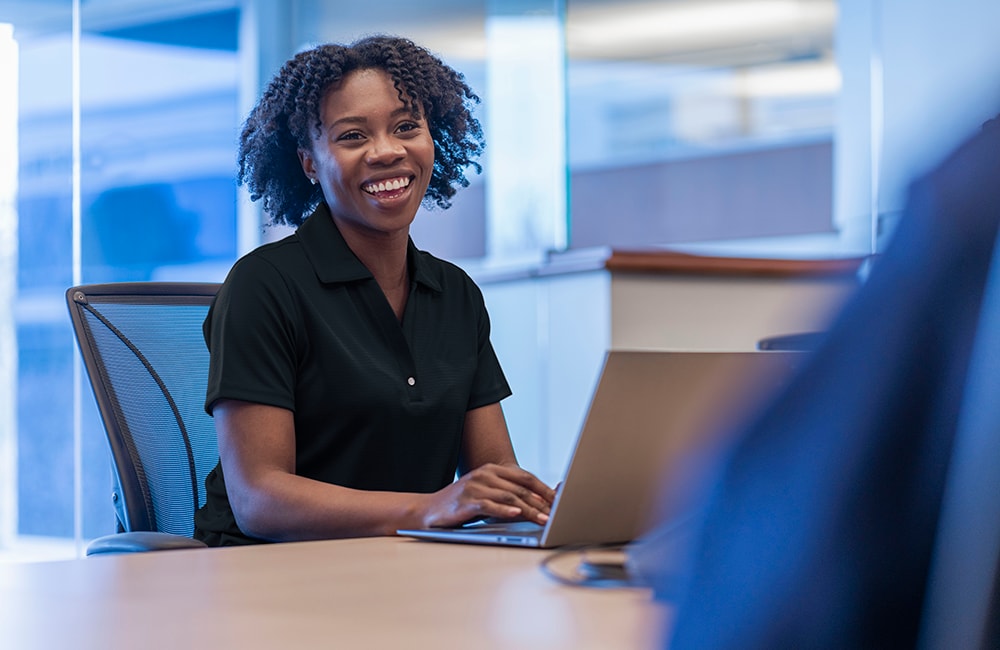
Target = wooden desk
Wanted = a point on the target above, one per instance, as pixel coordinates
(364, 593)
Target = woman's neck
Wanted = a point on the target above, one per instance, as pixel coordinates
(384, 254)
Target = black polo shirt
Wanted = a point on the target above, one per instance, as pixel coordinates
(379, 404)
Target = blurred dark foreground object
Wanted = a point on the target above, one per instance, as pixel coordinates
(819, 528)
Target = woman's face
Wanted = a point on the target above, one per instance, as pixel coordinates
(372, 157)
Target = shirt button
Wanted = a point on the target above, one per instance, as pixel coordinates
(411, 381)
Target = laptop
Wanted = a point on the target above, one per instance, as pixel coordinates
(649, 409)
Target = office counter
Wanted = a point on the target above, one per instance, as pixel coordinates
(362, 593)
(667, 300)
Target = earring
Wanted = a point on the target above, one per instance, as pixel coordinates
(312, 180)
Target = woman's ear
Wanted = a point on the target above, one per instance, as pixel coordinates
(308, 168)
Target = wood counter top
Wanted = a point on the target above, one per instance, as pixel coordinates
(677, 263)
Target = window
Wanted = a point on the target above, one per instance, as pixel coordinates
(150, 196)
(700, 121)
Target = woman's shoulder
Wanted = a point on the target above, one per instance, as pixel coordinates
(448, 274)
(273, 258)
(266, 273)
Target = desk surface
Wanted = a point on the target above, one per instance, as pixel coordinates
(362, 593)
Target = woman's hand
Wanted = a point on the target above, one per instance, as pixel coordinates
(491, 490)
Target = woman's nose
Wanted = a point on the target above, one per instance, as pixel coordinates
(383, 150)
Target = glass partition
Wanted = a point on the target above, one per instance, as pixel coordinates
(125, 126)
(37, 447)
(9, 63)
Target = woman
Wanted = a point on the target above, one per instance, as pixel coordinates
(351, 375)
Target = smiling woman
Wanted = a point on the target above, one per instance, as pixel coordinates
(351, 374)
(300, 97)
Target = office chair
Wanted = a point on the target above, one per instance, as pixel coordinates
(962, 608)
(796, 342)
(147, 362)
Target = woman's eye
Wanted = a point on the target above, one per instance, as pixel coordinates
(350, 135)
(407, 126)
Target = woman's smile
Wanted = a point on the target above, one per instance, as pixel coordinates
(388, 188)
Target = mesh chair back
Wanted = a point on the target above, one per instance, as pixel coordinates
(147, 362)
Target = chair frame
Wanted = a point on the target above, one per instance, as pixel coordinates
(133, 503)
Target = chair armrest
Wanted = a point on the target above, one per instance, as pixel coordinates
(139, 541)
(798, 342)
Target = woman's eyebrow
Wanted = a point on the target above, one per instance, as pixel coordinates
(360, 119)
(348, 120)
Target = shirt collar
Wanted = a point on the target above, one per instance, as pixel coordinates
(334, 261)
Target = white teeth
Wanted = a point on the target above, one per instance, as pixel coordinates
(382, 186)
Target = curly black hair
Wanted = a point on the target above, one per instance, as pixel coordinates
(288, 115)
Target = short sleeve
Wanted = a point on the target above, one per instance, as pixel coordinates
(489, 384)
(250, 332)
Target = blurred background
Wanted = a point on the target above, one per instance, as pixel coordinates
(775, 128)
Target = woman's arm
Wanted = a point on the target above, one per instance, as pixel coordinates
(257, 448)
(485, 439)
